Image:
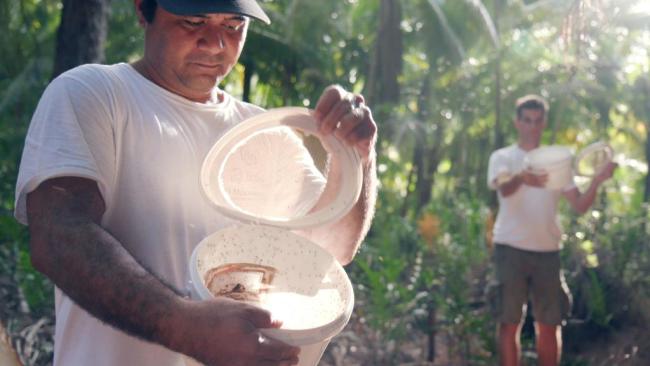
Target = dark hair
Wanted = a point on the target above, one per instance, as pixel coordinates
(148, 9)
(531, 101)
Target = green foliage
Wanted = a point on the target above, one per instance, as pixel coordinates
(421, 258)
(402, 278)
(596, 300)
(384, 273)
(125, 38)
(608, 264)
(27, 35)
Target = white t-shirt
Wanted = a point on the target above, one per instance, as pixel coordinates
(144, 146)
(528, 218)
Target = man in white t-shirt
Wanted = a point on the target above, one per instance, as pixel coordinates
(527, 240)
(109, 186)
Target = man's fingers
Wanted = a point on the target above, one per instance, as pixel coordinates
(260, 318)
(535, 179)
(335, 105)
(331, 95)
(279, 363)
(274, 350)
(346, 115)
(349, 122)
(359, 99)
(340, 111)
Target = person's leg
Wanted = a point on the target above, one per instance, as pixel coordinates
(549, 344)
(509, 346)
(509, 301)
(551, 303)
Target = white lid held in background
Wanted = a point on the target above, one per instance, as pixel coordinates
(294, 117)
(591, 160)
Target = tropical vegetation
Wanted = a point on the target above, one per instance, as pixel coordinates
(441, 77)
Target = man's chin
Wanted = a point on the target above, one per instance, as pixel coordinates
(205, 82)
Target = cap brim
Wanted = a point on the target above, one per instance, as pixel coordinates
(248, 8)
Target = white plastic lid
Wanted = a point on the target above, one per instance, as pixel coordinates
(592, 159)
(295, 117)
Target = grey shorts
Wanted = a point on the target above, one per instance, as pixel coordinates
(521, 275)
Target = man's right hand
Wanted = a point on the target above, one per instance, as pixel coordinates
(227, 332)
(527, 177)
(534, 179)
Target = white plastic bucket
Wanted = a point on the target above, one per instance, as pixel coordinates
(309, 291)
(556, 161)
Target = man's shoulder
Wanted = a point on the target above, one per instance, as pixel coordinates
(253, 108)
(93, 74)
(90, 69)
(243, 109)
(505, 151)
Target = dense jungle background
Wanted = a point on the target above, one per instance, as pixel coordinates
(441, 77)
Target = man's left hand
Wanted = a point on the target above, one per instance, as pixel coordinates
(606, 173)
(347, 116)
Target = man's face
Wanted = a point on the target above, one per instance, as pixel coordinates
(531, 124)
(190, 55)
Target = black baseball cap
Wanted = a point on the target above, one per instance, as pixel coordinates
(194, 7)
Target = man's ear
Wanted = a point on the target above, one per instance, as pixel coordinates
(138, 13)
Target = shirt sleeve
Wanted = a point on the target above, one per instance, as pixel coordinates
(70, 134)
(498, 170)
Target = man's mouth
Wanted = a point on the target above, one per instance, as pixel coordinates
(207, 66)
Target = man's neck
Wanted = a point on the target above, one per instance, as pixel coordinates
(528, 145)
(216, 95)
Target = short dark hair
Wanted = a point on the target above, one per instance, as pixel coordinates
(148, 9)
(531, 101)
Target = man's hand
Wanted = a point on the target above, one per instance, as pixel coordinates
(227, 332)
(581, 202)
(606, 173)
(534, 179)
(346, 115)
(527, 177)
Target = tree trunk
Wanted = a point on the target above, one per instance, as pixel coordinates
(426, 154)
(498, 130)
(646, 192)
(386, 64)
(249, 69)
(81, 34)
(431, 334)
(426, 161)
(642, 88)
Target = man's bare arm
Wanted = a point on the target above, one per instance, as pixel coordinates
(581, 201)
(81, 258)
(343, 238)
(512, 185)
(348, 117)
(99, 274)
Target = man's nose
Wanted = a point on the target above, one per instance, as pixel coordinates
(211, 40)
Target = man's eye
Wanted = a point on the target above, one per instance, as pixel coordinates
(193, 23)
(233, 26)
